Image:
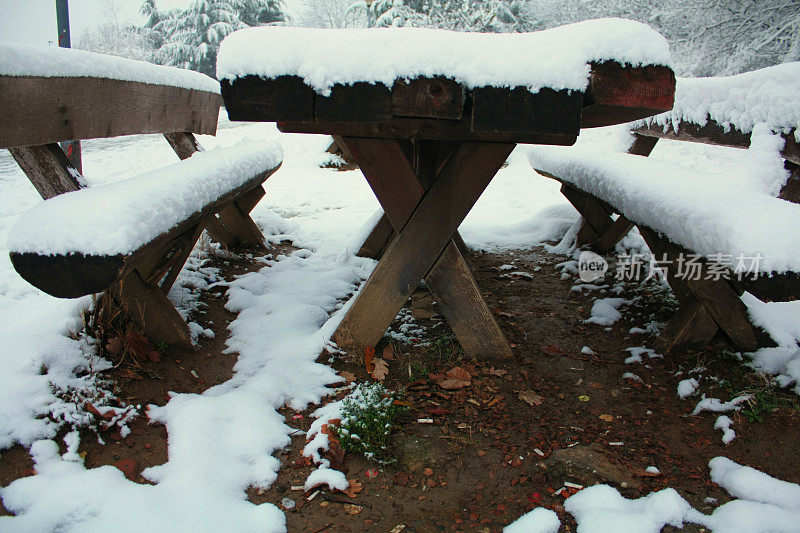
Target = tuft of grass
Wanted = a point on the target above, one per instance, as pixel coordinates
(368, 413)
(444, 349)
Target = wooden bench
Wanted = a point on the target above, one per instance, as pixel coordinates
(128, 239)
(614, 193)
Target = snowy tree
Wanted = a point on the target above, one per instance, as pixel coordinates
(191, 37)
(333, 14)
(112, 38)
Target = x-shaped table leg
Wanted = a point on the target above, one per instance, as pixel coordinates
(425, 221)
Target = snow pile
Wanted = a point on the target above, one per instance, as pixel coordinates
(724, 423)
(605, 311)
(714, 405)
(540, 520)
(50, 61)
(323, 475)
(137, 210)
(557, 58)
(601, 508)
(687, 387)
(739, 219)
(764, 504)
(767, 96)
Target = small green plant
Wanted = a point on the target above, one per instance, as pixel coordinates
(761, 404)
(367, 416)
(417, 370)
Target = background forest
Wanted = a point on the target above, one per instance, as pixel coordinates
(708, 37)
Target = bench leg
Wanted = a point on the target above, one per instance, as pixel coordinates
(381, 236)
(598, 229)
(426, 221)
(151, 311)
(47, 168)
(378, 239)
(703, 301)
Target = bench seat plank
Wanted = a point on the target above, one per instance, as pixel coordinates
(123, 223)
(708, 213)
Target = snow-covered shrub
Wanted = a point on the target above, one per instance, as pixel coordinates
(367, 416)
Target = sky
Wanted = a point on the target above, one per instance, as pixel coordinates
(34, 21)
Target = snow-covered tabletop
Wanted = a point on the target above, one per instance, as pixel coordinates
(769, 96)
(558, 58)
(25, 60)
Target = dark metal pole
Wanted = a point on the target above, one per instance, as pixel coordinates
(71, 148)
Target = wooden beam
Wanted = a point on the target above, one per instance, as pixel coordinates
(285, 98)
(519, 112)
(47, 110)
(711, 133)
(423, 238)
(47, 168)
(183, 143)
(642, 145)
(417, 128)
(378, 239)
(618, 93)
(241, 226)
(428, 98)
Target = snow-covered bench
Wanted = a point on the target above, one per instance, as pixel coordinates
(131, 238)
(738, 228)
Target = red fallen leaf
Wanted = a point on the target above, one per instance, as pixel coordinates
(388, 352)
(369, 355)
(141, 348)
(97, 413)
(552, 349)
(437, 411)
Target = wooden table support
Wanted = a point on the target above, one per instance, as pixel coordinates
(425, 219)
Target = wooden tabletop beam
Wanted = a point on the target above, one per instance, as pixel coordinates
(39, 110)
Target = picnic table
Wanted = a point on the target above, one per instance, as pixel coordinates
(430, 131)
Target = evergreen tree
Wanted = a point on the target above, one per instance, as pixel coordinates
(191, 37)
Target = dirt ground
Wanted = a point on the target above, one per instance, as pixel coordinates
(489, 456)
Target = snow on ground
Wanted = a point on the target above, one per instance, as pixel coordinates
(222, 441)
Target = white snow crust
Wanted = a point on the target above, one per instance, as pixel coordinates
(51, 61)
(557, 58)
(766, 96)
(121, 217)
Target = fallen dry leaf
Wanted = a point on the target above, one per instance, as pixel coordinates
(530, 397)
(607, 418)
(497, 372)
(455, 378)
(352, 509)
(354, 488)
(347, 376)
(141, 348)
(553, 350)
(380, 370)
(114, 346)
